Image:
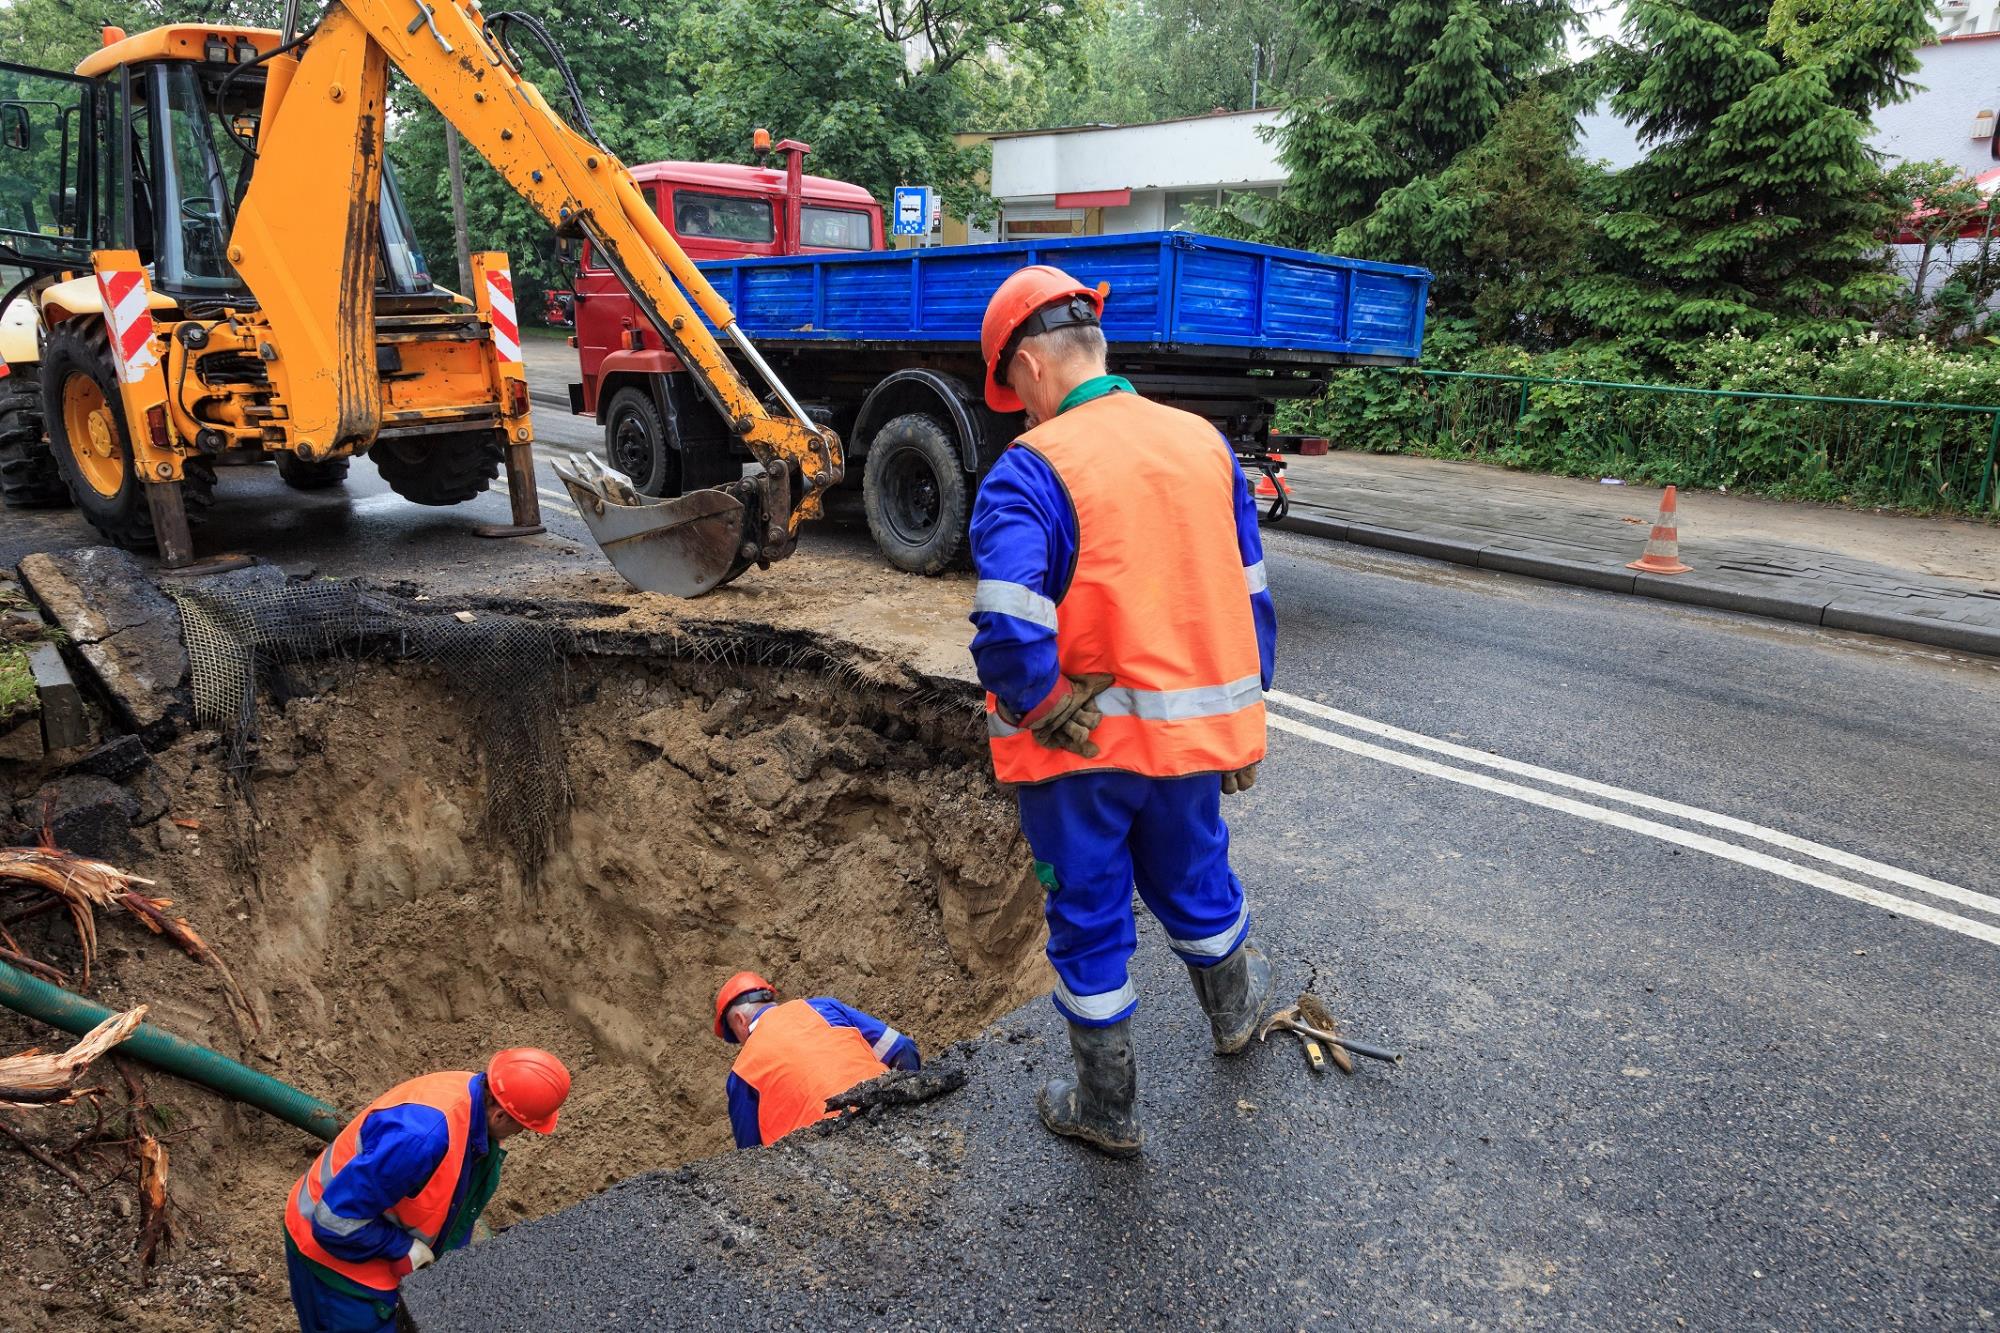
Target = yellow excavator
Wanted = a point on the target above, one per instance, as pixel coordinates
(219, 264)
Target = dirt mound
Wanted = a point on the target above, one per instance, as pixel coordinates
(842, 837)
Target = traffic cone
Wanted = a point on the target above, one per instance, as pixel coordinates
(1663, 548)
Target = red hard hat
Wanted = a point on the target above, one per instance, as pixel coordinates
(1025, 291)
(529, 1085)
(734, 989)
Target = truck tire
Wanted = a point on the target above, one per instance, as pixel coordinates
(300, 475)
(29, 478)
(92, 450)
(917, 495)
(439, 469)
(635, 442)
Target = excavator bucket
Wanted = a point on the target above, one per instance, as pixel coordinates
(683, 547)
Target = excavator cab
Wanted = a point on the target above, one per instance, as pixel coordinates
(153, 157)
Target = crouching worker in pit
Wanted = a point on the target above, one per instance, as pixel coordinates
(404, 1182)
(796, 1055)
(1125, 638)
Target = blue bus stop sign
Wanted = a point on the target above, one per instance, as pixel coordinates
(914, 207)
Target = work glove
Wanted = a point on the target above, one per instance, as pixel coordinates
(1243, 779)
(419, 1255)
(1066, 718)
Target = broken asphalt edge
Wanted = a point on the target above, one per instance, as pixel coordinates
(1827, 613)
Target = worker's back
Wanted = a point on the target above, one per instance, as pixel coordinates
(795, 1059)
(1157, 597)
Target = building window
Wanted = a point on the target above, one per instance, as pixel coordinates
(1245, 201)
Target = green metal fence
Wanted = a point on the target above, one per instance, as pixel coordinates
(1935, 457)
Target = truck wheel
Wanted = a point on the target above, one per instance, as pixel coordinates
(92, 450)
(916, 493)
(635, 442)
(28, 475)
(300, 475)
(439, 469)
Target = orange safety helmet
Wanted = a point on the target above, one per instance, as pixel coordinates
(734, 989)
(1025, 293)
(529, 1085)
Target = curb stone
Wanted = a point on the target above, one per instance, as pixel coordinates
(1828, 613)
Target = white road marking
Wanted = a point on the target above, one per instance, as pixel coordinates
(1701, 842)
(1908, 879)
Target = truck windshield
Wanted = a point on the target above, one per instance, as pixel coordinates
(726, 217)
(835, 228)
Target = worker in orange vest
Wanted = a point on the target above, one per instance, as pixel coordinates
(404, 1182)
(796, 1055)
(1125, 637)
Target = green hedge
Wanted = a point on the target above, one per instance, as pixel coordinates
(1925, 458)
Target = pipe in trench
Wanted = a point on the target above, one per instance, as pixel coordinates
(30, 995)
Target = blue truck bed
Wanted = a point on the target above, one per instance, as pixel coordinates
(1170, 290)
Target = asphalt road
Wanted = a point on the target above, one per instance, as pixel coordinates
(1724, 1062)
(1698, 1008)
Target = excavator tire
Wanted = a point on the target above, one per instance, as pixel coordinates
(300, 475)
(28, 475)
(917, 495)
(92, 450)
(440, 469)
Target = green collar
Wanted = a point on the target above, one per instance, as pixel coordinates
(1096, 387)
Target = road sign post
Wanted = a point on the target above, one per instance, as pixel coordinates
(915, 210)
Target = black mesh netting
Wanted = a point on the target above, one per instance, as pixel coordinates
(508, 672)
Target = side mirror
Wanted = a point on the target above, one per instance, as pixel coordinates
(14, 125)
(566, 248)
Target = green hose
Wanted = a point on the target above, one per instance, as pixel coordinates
(73, 1014)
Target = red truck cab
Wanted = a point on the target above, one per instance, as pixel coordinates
(715, 211)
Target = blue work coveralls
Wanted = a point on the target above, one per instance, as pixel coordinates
(401, 1146)
(1097, 834)
(891, 1047)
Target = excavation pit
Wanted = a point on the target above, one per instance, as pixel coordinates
(757, 802)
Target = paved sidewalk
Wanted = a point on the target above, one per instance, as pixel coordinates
(1933, 581)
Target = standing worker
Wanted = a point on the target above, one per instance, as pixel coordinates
(1125, 638)
(796, 1055)
(404, 1182)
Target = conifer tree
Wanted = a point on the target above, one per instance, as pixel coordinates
(1759, 203)
(1418, 83)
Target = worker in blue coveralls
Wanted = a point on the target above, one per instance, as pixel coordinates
(404, 1182)
(1125, 637)
(796, 1055)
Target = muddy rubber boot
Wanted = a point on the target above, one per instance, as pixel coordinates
(1234, 993)
(1096, 1106)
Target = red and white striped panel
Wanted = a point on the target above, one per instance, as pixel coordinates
(130, 320)
(500, 304)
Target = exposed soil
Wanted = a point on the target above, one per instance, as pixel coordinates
(842, 836)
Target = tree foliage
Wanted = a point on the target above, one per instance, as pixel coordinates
(1759, 203)
(1418, 83)
(1144, 60)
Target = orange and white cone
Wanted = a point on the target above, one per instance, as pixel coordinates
(1663, 548)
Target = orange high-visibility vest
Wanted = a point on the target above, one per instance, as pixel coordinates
(1159, 598)
(424, 1213)
(795, 1060)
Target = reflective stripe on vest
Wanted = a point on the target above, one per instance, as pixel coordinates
(423, 1215)
(1159, 597)
(795, 1060)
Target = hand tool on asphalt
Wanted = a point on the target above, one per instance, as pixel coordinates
(1288, 1020)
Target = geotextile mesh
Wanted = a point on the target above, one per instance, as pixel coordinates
(508, 673)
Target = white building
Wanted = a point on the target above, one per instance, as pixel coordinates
(1089, 180)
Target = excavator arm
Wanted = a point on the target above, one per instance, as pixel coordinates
(303, 241)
